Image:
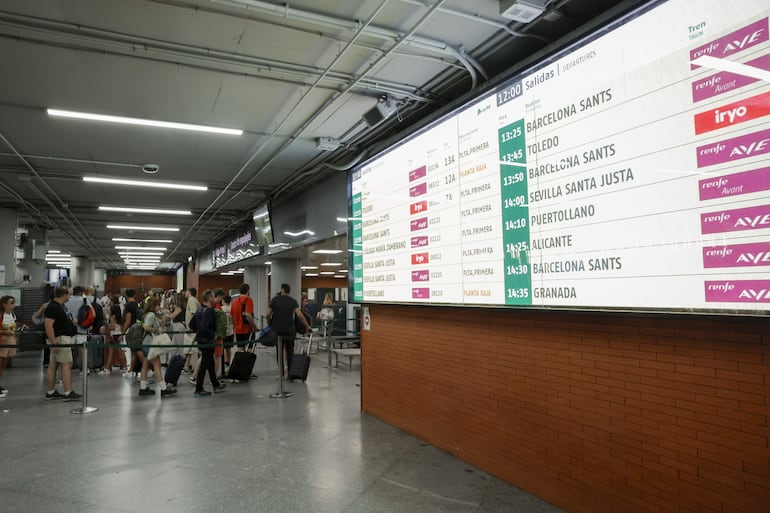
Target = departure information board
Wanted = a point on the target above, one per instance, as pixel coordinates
(630, 172)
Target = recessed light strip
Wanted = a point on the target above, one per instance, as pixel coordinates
(146, 210)
(143, 122)
(144, 183)
(141, 248)
(141, 228)
(158, 241)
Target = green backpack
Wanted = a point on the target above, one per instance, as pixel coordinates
(220, 331)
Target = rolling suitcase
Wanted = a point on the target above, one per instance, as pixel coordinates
(300, 363)
(243, 363)
(95, 351)
(174, 369)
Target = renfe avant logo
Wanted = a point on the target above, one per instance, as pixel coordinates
(737, 255)
(742, 39)
(725, 82)
(738, 291)
(735, 184)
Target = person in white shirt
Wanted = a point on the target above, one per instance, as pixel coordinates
(8, 335)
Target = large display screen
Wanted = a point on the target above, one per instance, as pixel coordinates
(630, 171)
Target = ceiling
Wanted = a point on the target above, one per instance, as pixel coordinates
(286, 76)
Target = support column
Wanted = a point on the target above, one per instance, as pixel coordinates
(286, 270)
(256, 277)
(7, 246)
(82, 271)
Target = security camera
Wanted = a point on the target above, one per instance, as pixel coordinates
(150, 169)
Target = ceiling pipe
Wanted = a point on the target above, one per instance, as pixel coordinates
(269, 138)
(326, 104)
(65, 159)
(481, 19)
(74, 223)
(385, 33)
(134, 43)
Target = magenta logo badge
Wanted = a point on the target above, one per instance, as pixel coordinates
(725, 82)
(420, 275)
(737, 148)
(751, 35)
(419, 242)
(419, 224)
(742, 219)
(737, 255)
(418, 190)
(421, 293)
(735, 184)
(740, 291)
(418, 173)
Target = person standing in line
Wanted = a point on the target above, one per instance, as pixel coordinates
(281, 313)
(230, 336)
(8, 334)
(242, 310)
(72, 306)
(192, 306)
(205, 335)
(152, 326)
(59, 329)
(114, 327)
(132, 316)
(38, 319)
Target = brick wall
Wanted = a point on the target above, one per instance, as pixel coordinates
(593, 412)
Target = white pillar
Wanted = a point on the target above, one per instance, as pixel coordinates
(82, 271)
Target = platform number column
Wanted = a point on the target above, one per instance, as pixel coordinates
(356, 247)
(514, 192)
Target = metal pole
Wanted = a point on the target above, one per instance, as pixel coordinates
(328, 343)
(84, 408)
(280, 394)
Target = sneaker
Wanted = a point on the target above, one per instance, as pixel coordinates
(55, 395)
(192, 381)
(3, 390)
(146, 391)
(167, 392)
(185, 371)
(202, 393)
(3, 393)
(220, 388)
(72, 396)
(104, 372)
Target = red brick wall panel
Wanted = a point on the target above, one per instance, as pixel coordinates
(593, 412)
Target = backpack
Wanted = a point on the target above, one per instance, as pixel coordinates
(86, 315)
(196, 318)
(135, 336)
(98, 314)
(268, 337)
(220, 330)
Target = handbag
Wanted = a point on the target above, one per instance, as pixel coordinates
(268, 337)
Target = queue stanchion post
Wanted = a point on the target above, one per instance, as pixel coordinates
(84, 408)
(280, 394)
(325, 325)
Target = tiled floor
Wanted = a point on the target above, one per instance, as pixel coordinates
(239, 451)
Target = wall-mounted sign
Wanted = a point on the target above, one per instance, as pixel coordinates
(239, 247)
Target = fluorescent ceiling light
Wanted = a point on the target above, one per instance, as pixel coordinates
(53, 251)
(149, 258)
(340, 276)
(268, 263)
(159, 241)
(141, 228)
(311, 274)
(303, 232)
(327, 251)
(732, 67)
(308, 267)
(342, 270)
(146, 210)
(139, 248)
(135, 254)
(331, 264)
(144, 183)
(327, 273)
(143, 122)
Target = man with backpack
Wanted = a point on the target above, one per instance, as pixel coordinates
(242, 311)
(204, 323)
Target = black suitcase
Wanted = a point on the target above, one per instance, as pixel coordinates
(174, 369)
(95, 347)
(300, 364)
(242, 366)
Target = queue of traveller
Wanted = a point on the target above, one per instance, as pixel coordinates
(173, 325)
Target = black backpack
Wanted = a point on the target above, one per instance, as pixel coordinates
(98, 315)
